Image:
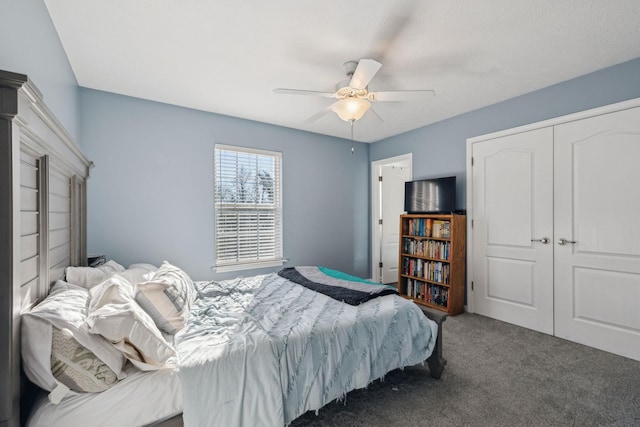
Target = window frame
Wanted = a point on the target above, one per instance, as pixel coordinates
(221, 266)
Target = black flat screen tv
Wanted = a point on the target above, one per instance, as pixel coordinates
(436, 195)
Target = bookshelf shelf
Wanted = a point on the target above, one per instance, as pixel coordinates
(432, 260)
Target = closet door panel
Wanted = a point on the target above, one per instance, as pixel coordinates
(593, 305)
(512, 208)
(597, 212)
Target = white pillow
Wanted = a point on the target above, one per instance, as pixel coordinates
(66, 309)
(149, 267)
(114, 314)
(88, 277)
(136, 275)
(167, 297)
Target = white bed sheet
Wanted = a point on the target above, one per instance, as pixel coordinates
(139, 400)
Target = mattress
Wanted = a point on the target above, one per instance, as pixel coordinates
(140, 399)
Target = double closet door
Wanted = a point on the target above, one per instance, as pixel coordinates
(555, 238)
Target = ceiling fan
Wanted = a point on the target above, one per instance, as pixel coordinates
(353, 96)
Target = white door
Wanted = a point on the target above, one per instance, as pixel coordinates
(512, 230)
(597, 210)
(392, 206)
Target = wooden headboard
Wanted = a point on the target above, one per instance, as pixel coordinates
(42, 218)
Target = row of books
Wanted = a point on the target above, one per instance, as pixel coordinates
(427, 248)
(434, 294)
(420, 227)
(435, 271)
(427, 227)
(441, 229)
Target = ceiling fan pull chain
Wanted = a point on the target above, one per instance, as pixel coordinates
(352, 149)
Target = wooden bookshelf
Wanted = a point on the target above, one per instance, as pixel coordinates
(432, 260)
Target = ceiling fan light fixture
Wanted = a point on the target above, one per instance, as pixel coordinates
(351, 109)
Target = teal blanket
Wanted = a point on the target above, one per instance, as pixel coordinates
(336, 284)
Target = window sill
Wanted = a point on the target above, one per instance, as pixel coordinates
(248, 266)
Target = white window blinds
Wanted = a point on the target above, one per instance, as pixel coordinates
(248, 212)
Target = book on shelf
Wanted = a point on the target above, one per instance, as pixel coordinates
(429, 292)
(438, 295)
(427, 248)
(435, 271)
(419, 227)
(441, 229)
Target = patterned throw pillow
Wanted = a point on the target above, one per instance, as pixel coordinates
(66, 309)
(167, 297)
(78, 367)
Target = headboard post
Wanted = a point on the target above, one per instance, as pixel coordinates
(9, 295)
(42, 219)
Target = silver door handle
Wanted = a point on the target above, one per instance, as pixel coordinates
(562, 241)
(544, 240)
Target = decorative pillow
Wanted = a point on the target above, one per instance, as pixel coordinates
(114, 314)
(88, 277)
(65, 308)
(167, 297)
(76, 366)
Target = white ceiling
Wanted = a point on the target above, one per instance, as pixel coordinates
(227, 56)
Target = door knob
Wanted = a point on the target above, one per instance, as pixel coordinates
(544, 240)
(562, 241)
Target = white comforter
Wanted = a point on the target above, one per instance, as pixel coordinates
(263, 350)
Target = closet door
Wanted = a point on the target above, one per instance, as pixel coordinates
(512, 229)
(597, 213)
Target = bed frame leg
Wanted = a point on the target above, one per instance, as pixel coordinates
(436, 361)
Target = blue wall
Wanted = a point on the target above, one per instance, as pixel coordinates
(29, 44)
(440, 149)
(151, 191)
(150, 194)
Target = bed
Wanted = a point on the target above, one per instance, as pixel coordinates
(258, 350)
(262, 348)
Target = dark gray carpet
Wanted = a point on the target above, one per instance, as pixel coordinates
(498, 374)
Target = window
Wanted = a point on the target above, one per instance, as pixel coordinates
(248, 211)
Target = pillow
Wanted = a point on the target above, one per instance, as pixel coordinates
(149, 267)
(167, 297)
(88, 277)
(114, 314)
(65, 308)
(136, 275)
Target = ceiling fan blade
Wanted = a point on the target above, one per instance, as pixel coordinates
(318, 115)
(366, 69)
(305, 92)
(400, 95)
